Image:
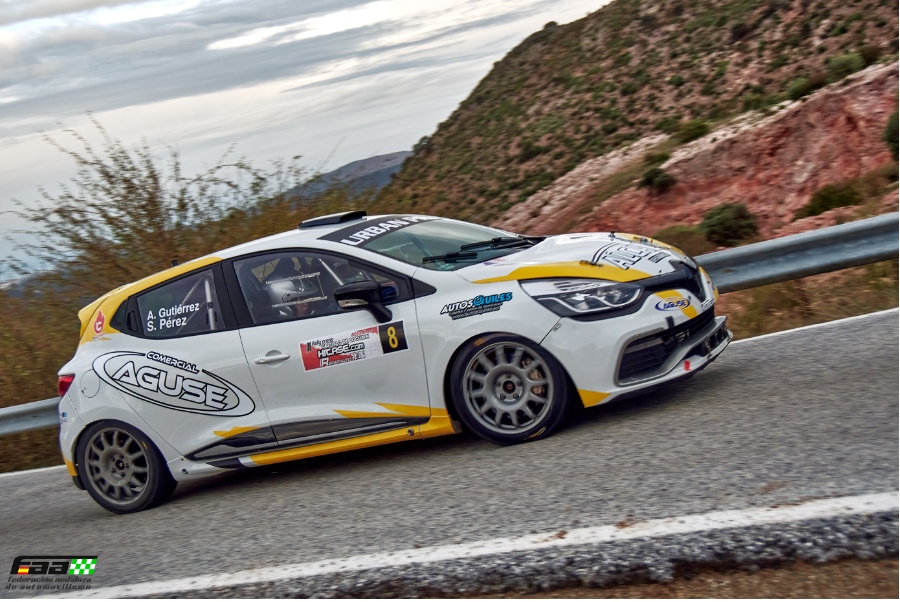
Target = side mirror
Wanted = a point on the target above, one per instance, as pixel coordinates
(366, 293)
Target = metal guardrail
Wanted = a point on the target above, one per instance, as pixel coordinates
(825, 250)
(29, 416)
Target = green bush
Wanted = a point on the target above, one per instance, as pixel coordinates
(657, 179)
(739, 31)
(831, 196)
(669, 125)
(609, 128)
(727, 225)
(655, 158)
(687, 238)
(676, 80)
(806, 85)
(842, 65)
(870, 53)
(691, 130)
(891, 134)
(628, 88)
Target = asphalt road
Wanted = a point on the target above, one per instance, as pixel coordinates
(807, 414)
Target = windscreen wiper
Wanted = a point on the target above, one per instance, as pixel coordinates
(451, 257)
(502, 242)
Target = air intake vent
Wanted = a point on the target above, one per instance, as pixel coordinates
(334, 218)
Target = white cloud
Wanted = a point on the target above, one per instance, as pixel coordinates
(297, 77)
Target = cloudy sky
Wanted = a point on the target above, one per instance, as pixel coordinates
(345, 79)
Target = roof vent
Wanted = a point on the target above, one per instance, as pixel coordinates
(334, 218)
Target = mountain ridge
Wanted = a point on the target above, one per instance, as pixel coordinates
(580, 90)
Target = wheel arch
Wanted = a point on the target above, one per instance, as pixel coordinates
(151, 437)
(448, 369)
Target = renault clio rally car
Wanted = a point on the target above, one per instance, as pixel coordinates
(357, 330)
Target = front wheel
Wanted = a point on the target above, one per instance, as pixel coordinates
(508, 390)
(121, 468)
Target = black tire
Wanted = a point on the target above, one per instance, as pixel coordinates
(525, 395)
(121, 468)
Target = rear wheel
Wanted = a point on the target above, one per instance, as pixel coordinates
(121, 468)
(508, 390)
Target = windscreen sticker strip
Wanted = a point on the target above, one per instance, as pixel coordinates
(356, 235)
(353, 346)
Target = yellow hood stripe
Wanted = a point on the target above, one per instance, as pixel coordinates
(569, 269)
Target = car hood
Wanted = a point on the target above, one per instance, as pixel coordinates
(604, 255)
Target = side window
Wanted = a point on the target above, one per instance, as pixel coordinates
(186, 306)
(297, 284)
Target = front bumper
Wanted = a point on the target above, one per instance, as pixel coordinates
(614, 358)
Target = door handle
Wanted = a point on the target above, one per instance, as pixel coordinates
(271, 359)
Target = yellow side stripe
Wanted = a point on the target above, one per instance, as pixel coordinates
(234, 431)
(569, 269)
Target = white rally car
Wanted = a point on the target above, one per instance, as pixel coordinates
(354, 331)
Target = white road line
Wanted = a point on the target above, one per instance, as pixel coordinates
(762, 336)
(812, 326)
(728, 519)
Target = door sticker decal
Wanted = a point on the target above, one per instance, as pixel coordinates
(353, 346)
(172, 383)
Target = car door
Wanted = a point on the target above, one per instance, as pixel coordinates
(181, 367)
(327, 373)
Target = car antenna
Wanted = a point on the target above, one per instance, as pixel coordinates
(174, 262)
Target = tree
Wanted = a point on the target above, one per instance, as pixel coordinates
(657, 179)
(128, 213)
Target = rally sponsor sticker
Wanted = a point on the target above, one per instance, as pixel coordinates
(480, 304)
(353, 346)
(172, 383)
(626, 255)
(673, 303)
(357, 234)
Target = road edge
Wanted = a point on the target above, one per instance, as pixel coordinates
(863, 526)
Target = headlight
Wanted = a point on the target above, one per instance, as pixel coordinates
(572, 297)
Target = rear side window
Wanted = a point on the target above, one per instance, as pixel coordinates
(186, 306)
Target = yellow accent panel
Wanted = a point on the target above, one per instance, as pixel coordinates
(331, 447)
(440, 425)
(70, 466)
(110, 302)
(234, 431)
(395, 409)
(568, 269)
(591, 398)
(690, 311)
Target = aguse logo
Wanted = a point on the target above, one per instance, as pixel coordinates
(673, 303)
(172, 383)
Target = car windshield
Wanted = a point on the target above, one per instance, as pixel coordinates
(446, 245)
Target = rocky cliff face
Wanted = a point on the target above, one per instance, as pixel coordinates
(773, 165)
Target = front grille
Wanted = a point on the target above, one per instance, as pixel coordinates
(649, 353)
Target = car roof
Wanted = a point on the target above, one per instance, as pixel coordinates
(291, 238)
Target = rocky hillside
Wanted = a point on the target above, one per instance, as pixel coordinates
(632, 69)
(772, 164)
